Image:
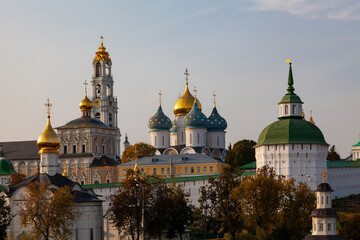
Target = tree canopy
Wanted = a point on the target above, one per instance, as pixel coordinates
(5, 217)
(49, 212)
(241, 153)
(332, 154)
(137, 150)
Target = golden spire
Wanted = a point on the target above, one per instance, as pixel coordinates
(303, 115)
(184, 103)
(214, 94)
(311, 118)
(323, 173)
(102, 54)
(136, 166)
(65, 171)
(160, 94)
(85, 104)
(48, 141)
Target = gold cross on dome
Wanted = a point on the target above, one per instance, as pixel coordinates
(48, 105)
(102, 38)
(160, 94)
(85, 84)
(195, 91)
(187, 75)
(214, 94)
(324, 173)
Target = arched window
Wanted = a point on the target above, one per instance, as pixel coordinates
(97, 116)
(110, 119)
(293, 109)
(286, 109)
(198, 138)
(107, 69)
(108, 90)
(98, 70)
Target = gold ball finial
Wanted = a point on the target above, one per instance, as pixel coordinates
(323, 173)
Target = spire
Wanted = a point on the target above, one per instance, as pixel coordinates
(187, 76)
(290, 88)
(195, 91)
(48, 105)
(102, 40)
(136, 166)
(214, 94)
(85, 84)
(311, 118)
(303, 115)
(160, 94)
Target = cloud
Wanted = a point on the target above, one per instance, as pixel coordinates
(312, 9)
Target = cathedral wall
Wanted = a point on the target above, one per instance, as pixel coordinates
(195, 137)
(160, 139)
(215, 139)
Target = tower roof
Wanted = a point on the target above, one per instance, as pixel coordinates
(102, 54)
(159, 121)
(290, 96)
(195, 118)
(185, 103)
(215, 121)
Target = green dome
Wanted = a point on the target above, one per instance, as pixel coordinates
(357, 145)
(6, 168)
(195, 118)
(291, 130)
(159, 121)
(216, 122)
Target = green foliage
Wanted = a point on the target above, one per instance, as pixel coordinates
(222, 211)
(351, 230)
(5, 217)
(332, 154)
(241, 153)
(140, 149)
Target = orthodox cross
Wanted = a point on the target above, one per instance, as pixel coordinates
(195, 91)
(85, 84)
(187, 75)
(48, 105)
(323, 173)
(102, 38)
(214, 94)
(160, 94)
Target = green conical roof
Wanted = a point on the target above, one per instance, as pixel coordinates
(357, 145)
(290, 96)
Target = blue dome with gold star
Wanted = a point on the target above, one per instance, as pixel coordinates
(216, 122)
(159, 121)
(195, 118)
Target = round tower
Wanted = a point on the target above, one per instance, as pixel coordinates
(49, 144)
(292, 146)
(182, 107)
(195, 127)
(159, 126)
(215, 137)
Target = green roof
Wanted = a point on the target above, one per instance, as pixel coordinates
(250, 165)
(291, 98)
(6, 168)
(343, 163)
(357, 145)
(3, 188)
(291, 130)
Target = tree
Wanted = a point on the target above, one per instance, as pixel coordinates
(133, 152)
(5, 217)
(16, 178)
(332, 154)
(223, 213)
(49, 212)
(351, 230)
(274, 207)
(241, 153)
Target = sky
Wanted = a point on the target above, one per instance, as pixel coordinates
(235, 48)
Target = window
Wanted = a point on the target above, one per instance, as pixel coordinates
(82, 182)
(142, 170)
(198, 138)
(321, 227)
(182, 137)
(204, 169)
(110, 119)
(190, 138)
(96, 149)
(211, 169)
(327, 199)
(107, 181)
(218, 141)
(314, 227)
(186, 170)
(293, 109)
(97, 116)
(91, 234)
(168, 171)
(286, 109)
(318, 200)
(174, 171)
(198, 169)
(76, 234)
(192, 170)
(83, 148)
(103, 149)
(310, 146)
(65, 149)
(74, 148)
(292, 146)
(163, 139)
(98, 70)
(322, 199)
(154, 171)
(124, 172)
(155, 141)
(329, 227)
(162, 171)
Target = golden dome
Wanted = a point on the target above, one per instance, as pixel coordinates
(86, 104)
(185, 103)
(102, 54)
(48, 140)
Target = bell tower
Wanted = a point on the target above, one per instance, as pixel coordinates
(105, 104)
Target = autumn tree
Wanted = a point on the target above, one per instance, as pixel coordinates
(49, 212)
(241, 153)
(140, 149)
(276, 208)
(223, 213)
(5, 217)
(16, 178)
(332, 154)
(351, 230)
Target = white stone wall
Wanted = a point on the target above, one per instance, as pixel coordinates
(215, 139)
(181, 138)
(195, 137)
(303, 162)
(344, 181)
(173, 139)
(160, 139)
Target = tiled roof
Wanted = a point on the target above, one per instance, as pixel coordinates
(27, 150)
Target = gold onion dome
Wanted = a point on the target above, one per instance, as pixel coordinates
(48, 138)
(86, 104)
(102, 54)
(185, 103)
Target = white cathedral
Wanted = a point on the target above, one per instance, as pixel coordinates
(191, 131)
